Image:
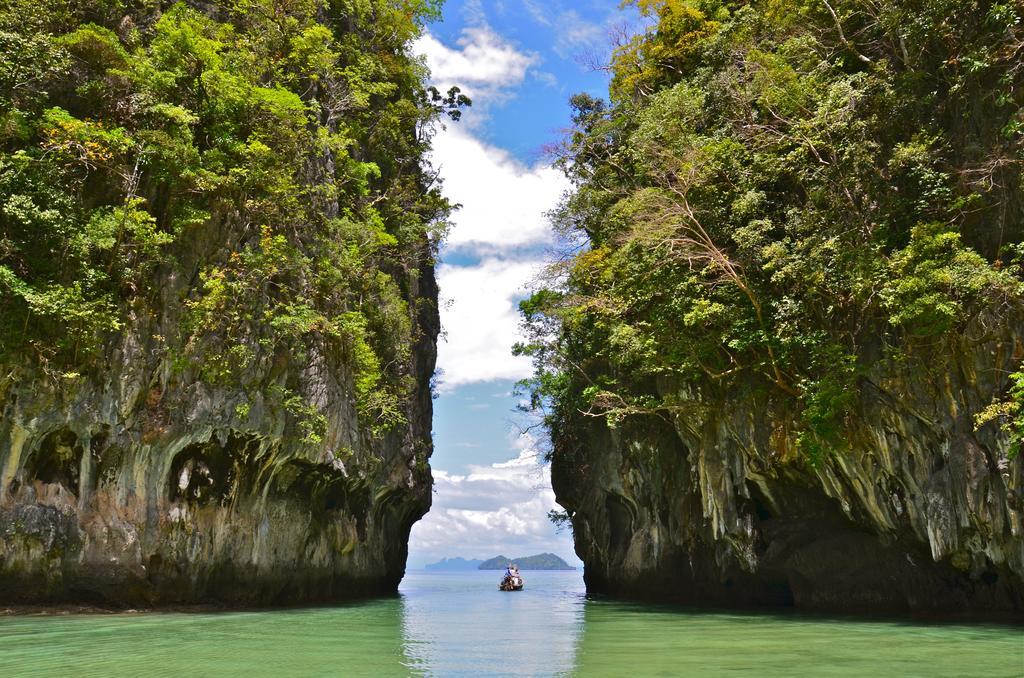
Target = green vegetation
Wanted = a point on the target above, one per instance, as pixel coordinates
(541, 561)
(1009, 413)
(779, 196)
(253, 167)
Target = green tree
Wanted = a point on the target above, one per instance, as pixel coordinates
(778, 196)
(144, 141)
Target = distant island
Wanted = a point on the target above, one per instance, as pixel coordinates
(541, 561)
(454, 564)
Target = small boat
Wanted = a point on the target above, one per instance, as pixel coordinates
(513, 583)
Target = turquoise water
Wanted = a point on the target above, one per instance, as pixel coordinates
(459, 624)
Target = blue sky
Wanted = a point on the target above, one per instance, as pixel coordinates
(520, 61)
(557, 35)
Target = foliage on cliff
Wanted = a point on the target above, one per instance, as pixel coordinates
(779, 195)
(274, 147)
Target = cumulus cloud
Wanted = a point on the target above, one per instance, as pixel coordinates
(504, 202)
(484, 65)
(501, 226)
(481, 319)
(491, 510)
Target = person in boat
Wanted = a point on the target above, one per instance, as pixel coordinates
(511, 574)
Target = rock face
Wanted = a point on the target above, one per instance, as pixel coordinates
(249, 421)
(144, 488)
(922, 515)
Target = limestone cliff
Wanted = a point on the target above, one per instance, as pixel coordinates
(142, 487)
(922, 514)
(784, 365)
(218, 303)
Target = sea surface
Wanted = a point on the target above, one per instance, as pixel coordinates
(459, 624)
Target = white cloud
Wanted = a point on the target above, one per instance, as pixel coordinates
(539, 12)
(474, 12)
(548, 79)
(485, 66)
(504, 202)
(481, 321)
(572, 30)
(501, 223)
(492, 510)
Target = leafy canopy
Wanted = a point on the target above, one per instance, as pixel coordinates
(267, 152)
(778, 196)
